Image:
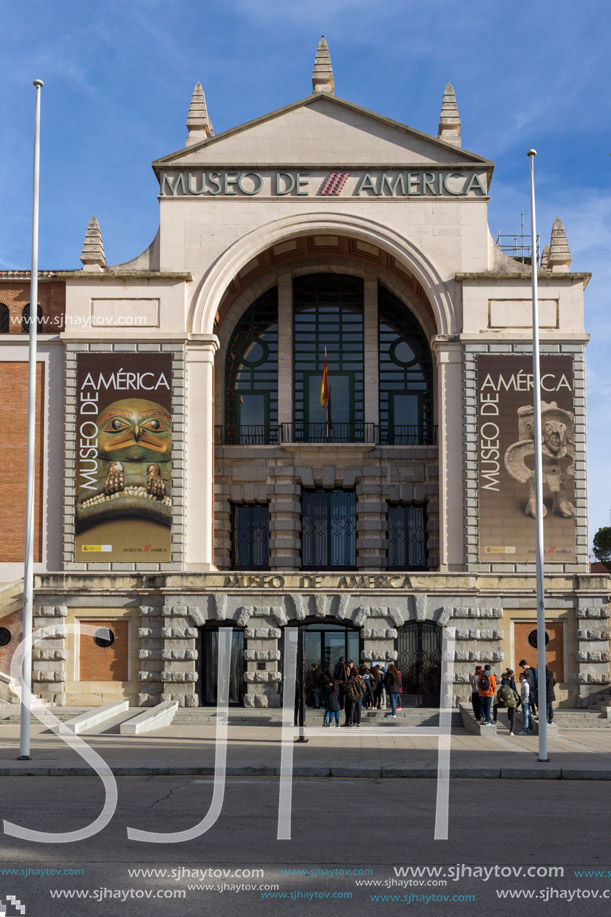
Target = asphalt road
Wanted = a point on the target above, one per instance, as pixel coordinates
(337, 825)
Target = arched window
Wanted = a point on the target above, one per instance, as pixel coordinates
(25, 319)
(251, 375)
(406, 376)
(328, 315)
(5, 319)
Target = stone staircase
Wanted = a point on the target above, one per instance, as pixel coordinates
(11, 597)
(272, 716)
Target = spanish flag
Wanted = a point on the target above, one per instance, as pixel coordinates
(324, 389)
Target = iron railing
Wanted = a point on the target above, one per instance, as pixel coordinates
(276, 434)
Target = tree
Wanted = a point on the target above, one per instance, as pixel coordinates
(601, 546)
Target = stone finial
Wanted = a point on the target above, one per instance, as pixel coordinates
(559, 258)
(449, 119)
(199, 124)
(545, 258)
(322, 75)
(92, 255)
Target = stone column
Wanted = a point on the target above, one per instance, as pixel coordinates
(49, 656)
(179, 655)
(149, 654)
(593, 677)
(200, 451)
(450, 437)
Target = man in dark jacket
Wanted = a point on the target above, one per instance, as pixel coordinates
(531, 678)
(550, 694)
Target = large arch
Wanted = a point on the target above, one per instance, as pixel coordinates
(210, 292)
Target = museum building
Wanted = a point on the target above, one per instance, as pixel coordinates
(307, 403)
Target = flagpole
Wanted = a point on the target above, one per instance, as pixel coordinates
(542, 700)
(28, 575)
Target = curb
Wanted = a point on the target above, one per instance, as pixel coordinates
(356, 773)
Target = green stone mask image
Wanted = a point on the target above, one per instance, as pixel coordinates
(134, 430)
(133, 465)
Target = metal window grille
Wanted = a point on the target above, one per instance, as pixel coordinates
(406, 375)
(250, 537)
(25, 319)
(5, 319)
(251, 375)
(407, 537)
(328, 313)
(328, 529)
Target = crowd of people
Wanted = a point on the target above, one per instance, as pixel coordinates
(352, 689)
(487, 696)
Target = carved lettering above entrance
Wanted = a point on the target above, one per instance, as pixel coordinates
(317, 182)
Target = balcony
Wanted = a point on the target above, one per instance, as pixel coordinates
(291, 433)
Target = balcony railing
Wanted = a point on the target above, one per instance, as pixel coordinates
(370, 433)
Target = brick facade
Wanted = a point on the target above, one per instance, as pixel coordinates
(51, 299)
(13, 436)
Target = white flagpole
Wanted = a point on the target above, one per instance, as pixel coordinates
(28, 576)
(538, 475)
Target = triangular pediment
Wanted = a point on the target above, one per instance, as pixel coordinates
(325, 130)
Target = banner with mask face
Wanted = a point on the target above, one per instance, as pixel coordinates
(505, 449)
(124, 457)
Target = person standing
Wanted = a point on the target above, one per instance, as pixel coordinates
(507, 698)
(318, 678)
(355, 688)
(340, 675)
(486, 686)
(376, 687)
(332, 706)
(550, 694)
(364, 673)
(392, 683)
(525, 697)
(475, 692)
(532, 678)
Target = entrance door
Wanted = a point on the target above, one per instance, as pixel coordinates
(324, 644)
(208, 669)
(419, 662)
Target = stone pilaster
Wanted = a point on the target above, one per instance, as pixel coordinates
(49, 656)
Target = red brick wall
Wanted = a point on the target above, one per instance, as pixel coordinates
(14, 623)
(109, 663)
(51, 299)
(13, 451)
(554, 651)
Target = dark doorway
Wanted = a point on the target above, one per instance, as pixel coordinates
(419, 662)
(323, 644)
(208, 655)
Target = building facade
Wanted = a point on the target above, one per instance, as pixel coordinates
(192, 474)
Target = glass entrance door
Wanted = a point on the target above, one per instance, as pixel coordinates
(208, 670)
(419, 662)
(324, 644)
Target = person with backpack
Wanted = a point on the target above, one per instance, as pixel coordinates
(475, 692)
(392, 683)
(509, 699)
(486, 687)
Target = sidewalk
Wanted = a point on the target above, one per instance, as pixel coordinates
(347, 753)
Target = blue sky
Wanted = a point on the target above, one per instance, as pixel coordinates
(119, 76)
